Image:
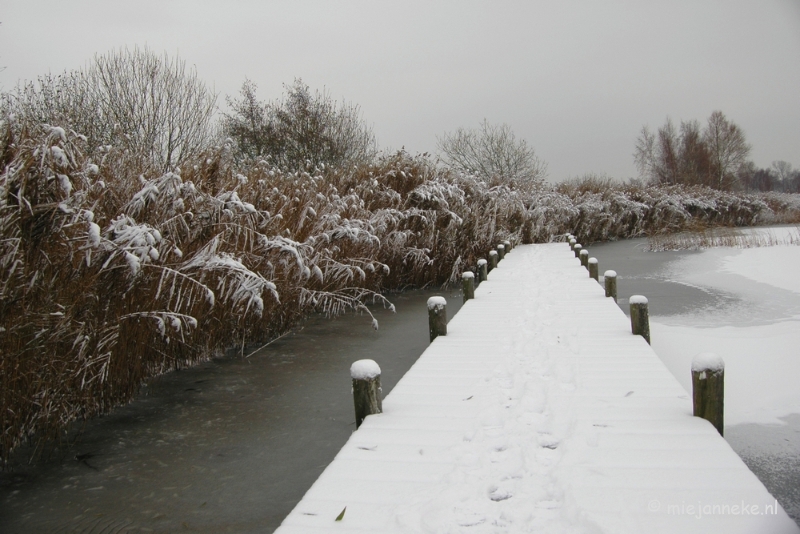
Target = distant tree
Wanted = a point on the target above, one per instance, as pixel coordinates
(728, 149)
(715, 156)
(494, 153)
(303, 127)
(150, 105)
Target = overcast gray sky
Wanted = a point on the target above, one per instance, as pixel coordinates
(576, 79)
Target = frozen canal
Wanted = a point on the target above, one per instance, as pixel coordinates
(229, 446)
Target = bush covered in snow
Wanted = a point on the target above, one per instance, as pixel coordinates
(112, 273)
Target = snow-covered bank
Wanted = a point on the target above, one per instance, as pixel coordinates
(539, 411)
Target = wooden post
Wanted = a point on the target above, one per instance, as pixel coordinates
(437, 317)
(366, 377)
(640, 318)
(482, 270)
(501, 252)
(708, 388)
(468, 284)
(577, 249)
(584, 256)
(593, 269)
(572, 243)
(610, 279)
(492, 260)
(507, 244)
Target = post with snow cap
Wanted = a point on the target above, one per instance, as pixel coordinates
(501, 252)
(584, 256)
(437, 317)
(593, 269)
(572, 243)
(640, 317)
(610, 279)
(492, 260)
(708, 388)
(482, 270)
(366, 377)
(468, 285)
(577, 249)
(507, 244)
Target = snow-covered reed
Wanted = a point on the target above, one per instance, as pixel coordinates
(113, 273)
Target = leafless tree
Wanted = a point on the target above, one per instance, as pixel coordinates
(150, 105)
(728, 148)
(159, 107)
(494, 153)
(714, 156)
(302, 127)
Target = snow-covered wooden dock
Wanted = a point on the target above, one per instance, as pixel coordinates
(538, 412)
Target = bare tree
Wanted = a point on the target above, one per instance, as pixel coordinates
(727, 147)
(494, 153)
(160, 108)
(303, 127)
(150, 105)
(714, 156)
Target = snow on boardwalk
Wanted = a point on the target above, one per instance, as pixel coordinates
(538, 412)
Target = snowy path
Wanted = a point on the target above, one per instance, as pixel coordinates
(538, 412)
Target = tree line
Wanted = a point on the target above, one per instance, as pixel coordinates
(715, 155)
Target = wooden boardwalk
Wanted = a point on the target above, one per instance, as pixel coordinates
(538, 412)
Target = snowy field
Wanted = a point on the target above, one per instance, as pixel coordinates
(538, 412)
(758, 337)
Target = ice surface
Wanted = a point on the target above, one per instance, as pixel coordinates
(364, 370)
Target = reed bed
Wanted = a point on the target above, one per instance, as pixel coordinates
(114, 273)
(720, 237)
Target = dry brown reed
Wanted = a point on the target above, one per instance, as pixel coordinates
(719, 237)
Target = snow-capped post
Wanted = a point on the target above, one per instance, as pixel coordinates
(584, 256)
(708, 388)
(492, 260)
(508, 246)
(577, 249)
(468, 285)
(640, 317)
(593, 269)
(610, 279)
(437, 317)
(482, 270)
(572, 243)
(501, 252)
(366, 377)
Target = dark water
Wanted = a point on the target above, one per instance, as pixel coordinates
(772, 452)
(229, 446)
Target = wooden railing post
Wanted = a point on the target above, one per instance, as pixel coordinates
(708, 388)
(593, 269)
(584, 256)
(501, 252)
(492, 260)
(610, 279)
(640, 317)
(366, 375)
(437, 317)
(482, 270)
(468, 285)
(577, 249)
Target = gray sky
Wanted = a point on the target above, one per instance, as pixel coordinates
(576, 79)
